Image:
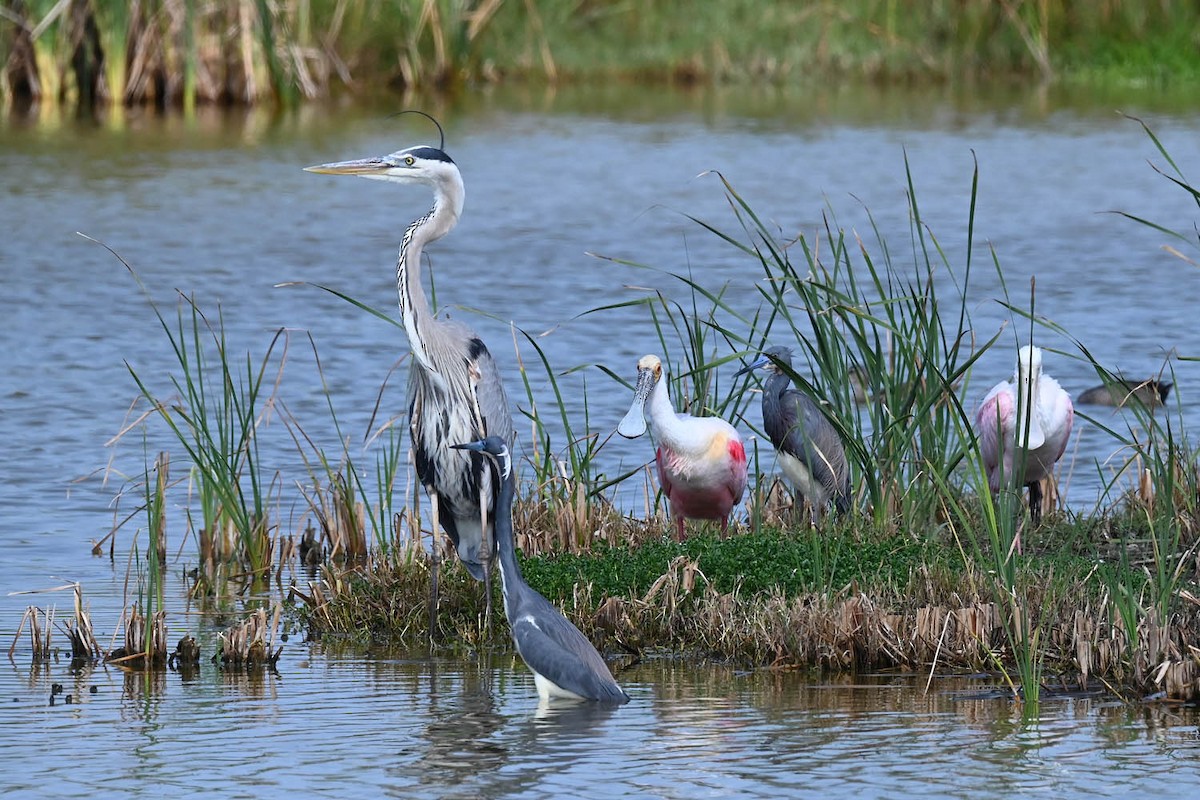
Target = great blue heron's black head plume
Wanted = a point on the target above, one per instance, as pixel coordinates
(430, 117)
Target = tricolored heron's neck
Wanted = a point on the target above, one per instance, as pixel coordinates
(777, 384)
(506, 547)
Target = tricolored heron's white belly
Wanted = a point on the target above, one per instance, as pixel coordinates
(802, 478)
(549, 690)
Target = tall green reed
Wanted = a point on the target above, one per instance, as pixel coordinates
(342, 496)
(904, 330)
(1160, 454)
(851, 316)
(218, 405)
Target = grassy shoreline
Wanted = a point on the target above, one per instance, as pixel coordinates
(86, 53)
(850, 598)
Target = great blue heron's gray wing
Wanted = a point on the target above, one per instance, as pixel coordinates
(556, 650)
(493, 401)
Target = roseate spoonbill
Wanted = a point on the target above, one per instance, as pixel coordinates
(1150, 392)
(564, 663)
(455, 393)
(701, 460)
(807, 445)
(1034, 401)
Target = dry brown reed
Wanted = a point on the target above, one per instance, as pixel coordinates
(40, 624)
(343, 521)
(136, 52)
(79, 632)
(251, 644)
(158, 530)
(145, 646)
(572, 527)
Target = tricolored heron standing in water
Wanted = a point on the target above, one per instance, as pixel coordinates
(454, 389)
(808, 446)
(701, 460)
(1031, 409)
(564, 663)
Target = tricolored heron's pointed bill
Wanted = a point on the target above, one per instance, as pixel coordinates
(357, 166)
(761, 361)
(634, 424)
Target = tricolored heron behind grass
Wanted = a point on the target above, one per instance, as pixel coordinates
(455, 393)
(701, 460)
(809, 448)
(564, 663)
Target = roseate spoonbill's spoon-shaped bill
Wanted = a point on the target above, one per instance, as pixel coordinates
(1150, 393)
(455, 393)
(564, 663)
(701, 460)
(1034, 401)
(809, 449)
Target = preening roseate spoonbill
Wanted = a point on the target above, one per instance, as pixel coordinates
(807, 445)
(1044, 407)
(564, 663)
(454, 389)
(1150, 392)
(701, 461)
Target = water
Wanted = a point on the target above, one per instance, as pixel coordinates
(337, 726)
(218, 207)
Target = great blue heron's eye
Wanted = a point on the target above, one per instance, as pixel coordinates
(409, 160)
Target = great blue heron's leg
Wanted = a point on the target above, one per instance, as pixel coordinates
(434, 566)
(485, 555)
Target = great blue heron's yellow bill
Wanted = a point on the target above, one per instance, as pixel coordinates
(358, 166)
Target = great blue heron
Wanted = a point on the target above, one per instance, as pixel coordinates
(1120, 391)
(808, 446)
(701, 460)
(564, 663)
(1030, 401)
(455, 393)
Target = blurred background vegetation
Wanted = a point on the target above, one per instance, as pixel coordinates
(185, 52)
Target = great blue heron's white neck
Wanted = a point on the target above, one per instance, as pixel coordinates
(414, 307)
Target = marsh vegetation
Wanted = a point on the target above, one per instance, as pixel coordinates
(922, 575)
(154, 52)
